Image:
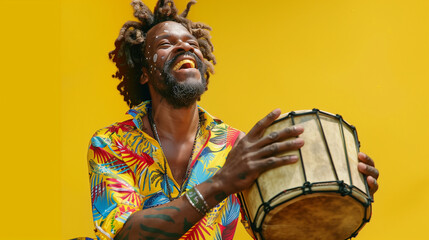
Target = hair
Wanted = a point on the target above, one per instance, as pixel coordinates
(128, 54)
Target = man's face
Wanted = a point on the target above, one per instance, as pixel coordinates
(175, 64)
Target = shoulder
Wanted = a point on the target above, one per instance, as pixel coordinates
(125, 126)
(221, 130)
(105, 135)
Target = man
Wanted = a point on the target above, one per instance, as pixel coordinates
(171, 172)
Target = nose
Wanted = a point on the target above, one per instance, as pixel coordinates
(184, 46)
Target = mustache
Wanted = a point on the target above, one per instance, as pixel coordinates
(198, 61)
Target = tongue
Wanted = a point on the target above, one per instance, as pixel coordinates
(185, 66)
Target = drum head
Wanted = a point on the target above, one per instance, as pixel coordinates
(321, 216)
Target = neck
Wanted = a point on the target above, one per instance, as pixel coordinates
(177, 124)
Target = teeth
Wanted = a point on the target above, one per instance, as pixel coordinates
(181, 63)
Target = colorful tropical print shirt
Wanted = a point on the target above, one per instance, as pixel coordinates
(126, 168)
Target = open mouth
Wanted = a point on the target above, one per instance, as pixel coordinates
(184, 64)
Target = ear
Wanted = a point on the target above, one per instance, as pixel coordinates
(144, 78)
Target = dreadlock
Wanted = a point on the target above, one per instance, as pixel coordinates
(129, 46)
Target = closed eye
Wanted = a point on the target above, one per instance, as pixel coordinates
(164, 44)
(193, 44)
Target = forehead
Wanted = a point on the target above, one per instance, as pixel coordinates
(167, 28)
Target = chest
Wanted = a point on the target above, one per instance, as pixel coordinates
(179, 156)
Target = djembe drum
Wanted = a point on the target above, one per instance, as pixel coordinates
(322, 196)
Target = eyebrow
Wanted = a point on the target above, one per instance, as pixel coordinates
(164, 35)
(167, 35)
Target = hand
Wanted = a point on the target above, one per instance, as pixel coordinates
(366, 166)
(255, 154)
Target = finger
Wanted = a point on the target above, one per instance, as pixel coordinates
(273, 162)
(262, 124)
(366, 159)
(368, 170)
(372, 184)
(278, 147)
(288, 132)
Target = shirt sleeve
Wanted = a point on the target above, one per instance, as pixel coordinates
(114, 194)
(244, 219)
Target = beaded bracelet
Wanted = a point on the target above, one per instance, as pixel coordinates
(197, 201)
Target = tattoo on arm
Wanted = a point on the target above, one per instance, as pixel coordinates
(221, 196)
(186, 225)
(164, 208)
(160, 216)
(242, 175)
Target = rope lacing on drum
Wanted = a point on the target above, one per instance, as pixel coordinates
(344, 189)
(306, 187)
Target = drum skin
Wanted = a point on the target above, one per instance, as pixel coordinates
(322, 196)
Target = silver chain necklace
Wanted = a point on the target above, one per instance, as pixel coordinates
(154, 130)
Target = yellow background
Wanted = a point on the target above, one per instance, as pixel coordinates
(366, 60)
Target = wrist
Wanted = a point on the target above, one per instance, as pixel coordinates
(213, 191)
(197, 201)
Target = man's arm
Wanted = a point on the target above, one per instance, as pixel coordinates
(171, 220)
(251, 156)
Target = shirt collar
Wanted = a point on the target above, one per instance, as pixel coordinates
(138, 112)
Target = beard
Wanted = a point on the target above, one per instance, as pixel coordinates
(181, 94)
